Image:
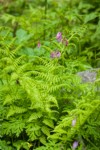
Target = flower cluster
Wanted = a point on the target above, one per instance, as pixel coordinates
(55, 54)
(61, 39)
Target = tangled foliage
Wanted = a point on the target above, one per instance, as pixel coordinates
(43, 102)
(40, 17)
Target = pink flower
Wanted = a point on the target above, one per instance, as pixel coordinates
(58, 54)
(52, 55)
(39, 45)
(65, 42)
(55, 54)
(75, 145)
(73, 122)
(59, 36)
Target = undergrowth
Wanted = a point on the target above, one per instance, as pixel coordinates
(43, 102)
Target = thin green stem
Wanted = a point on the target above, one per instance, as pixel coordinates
(46, 7)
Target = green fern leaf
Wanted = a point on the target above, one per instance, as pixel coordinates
(43, 140)
(45, 130)
(35, 116)
(48, 122)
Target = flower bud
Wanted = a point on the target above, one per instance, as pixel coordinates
(39, 45)
(59, 36)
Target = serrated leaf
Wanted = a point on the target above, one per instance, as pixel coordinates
(48, 122)
(43, 140)
(34, 116)
(8, 100)
(15, 110)
(45, 130)
(32, 136)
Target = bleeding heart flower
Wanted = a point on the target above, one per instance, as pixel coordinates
(39, 45)
(65, 42)
(59, 36)
(58, 54)
(52, 55)
(55, 54)
(75, 145)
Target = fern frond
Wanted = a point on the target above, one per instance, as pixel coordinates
(14, 126)
(48, 122)
(82, 116)
(34, 116)
(45, 130)
(15, 110)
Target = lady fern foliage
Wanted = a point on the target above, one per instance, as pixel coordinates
(26, 104)
(41, 96)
